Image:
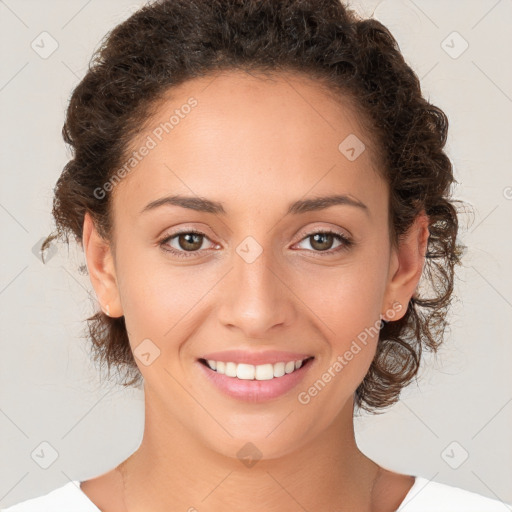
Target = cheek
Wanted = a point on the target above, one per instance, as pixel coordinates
(346, 302)
(347, 299)
(348, 308)
(158, 299)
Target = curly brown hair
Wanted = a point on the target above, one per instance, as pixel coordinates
(168, 42)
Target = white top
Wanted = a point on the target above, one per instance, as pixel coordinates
(424, 496)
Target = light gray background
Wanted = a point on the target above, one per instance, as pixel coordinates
(50, 393)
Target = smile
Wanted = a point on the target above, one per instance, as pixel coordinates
(254, 383)
(245, 371)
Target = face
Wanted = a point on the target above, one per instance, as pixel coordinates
(262, 269)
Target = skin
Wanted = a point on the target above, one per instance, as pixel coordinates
(255, 145)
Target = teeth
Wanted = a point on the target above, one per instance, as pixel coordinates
(245, 371)
(230, 370)
(251, 372)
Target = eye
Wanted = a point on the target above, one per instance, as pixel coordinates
(191, 241)
(187, 242)
(322, 241)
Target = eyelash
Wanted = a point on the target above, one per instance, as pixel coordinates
(346, 242)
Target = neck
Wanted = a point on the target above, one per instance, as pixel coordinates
(171, 470)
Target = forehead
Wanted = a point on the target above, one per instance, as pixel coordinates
(233, 135)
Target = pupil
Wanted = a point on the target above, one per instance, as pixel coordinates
(189, 245)
(318, 237)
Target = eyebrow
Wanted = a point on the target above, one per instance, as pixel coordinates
(302, 206)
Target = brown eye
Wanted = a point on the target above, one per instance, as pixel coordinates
(190, 241)
(183, 242)
(322, 241)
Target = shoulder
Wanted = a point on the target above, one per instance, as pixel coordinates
(429, 496)
(63, 499)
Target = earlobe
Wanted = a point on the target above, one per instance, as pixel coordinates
(101, 268)
(411, 259)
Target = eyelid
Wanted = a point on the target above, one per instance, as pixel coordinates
(345, 239)
(166, 238)
(322, 229)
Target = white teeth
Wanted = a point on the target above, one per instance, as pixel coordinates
(279, 369)
(264, 372)
(230, 370)
(245, 371)
(289, 367)
(250, 372)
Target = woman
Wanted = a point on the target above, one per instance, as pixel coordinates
(257, 187)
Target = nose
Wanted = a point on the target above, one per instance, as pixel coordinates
(255, 298)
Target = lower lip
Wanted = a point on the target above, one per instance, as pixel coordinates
(255, 390)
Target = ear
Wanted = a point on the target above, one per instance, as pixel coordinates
(100, 265)
(406, 266)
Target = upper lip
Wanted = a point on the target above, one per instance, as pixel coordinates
(256, 358)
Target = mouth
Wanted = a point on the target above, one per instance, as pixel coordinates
(244, 371)
(254, 383)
